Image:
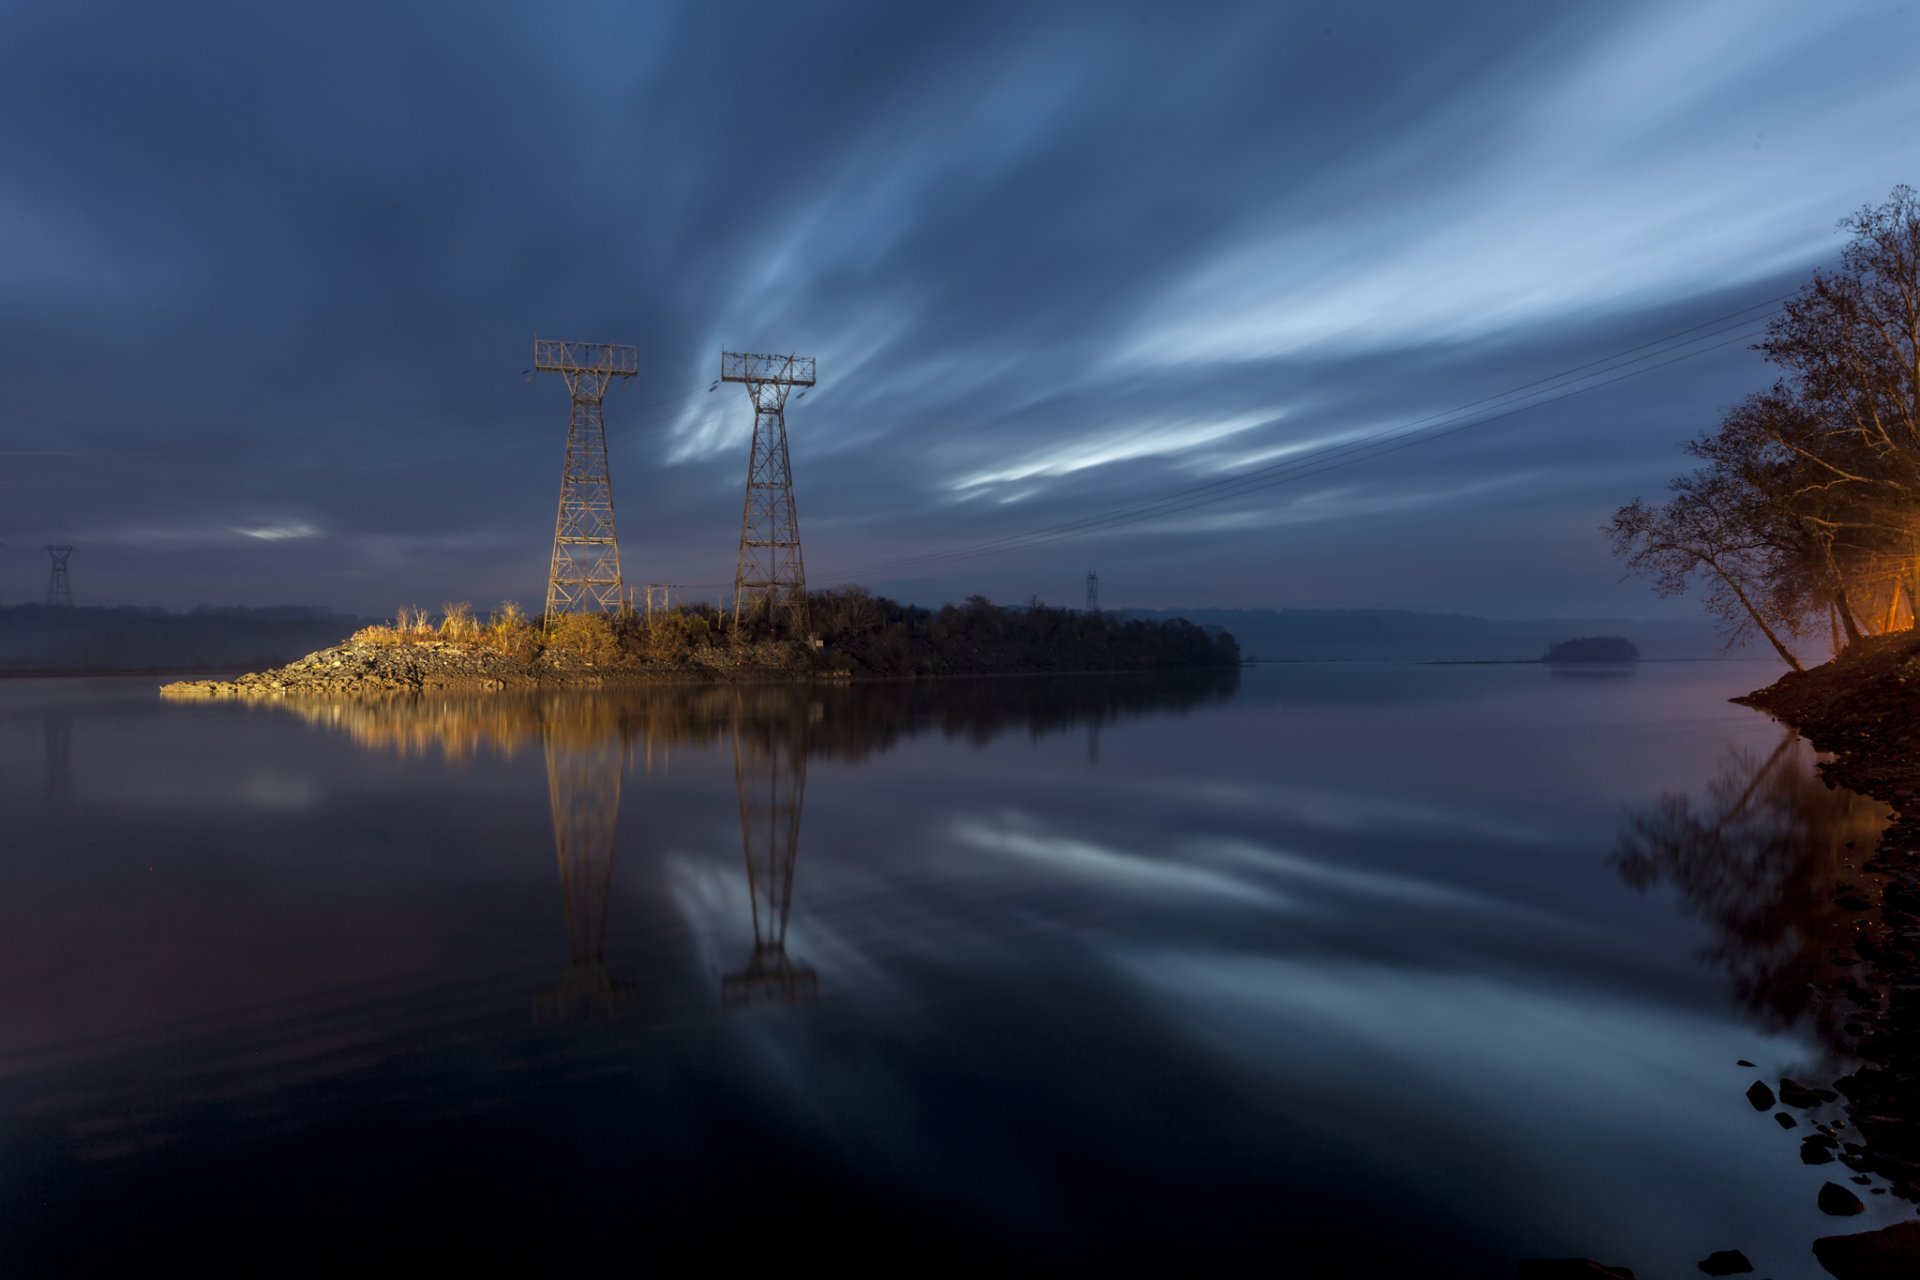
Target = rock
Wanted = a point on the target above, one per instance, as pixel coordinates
(1784, 1120)
(1742, 1063)
(1570, 1269)
(1838, 1201)
(1815, 1151)
(1726, 1262)
(1892, 1253)
(1760, 1096)
(1795, 1094)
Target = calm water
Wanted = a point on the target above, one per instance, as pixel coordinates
(1445, 965)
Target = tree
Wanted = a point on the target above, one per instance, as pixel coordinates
(1809, 499)
(1711, 533)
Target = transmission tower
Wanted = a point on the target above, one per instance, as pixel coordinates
(770, 771)
(770, 574)
(586, 556)
(1093, 592)
(59, 586)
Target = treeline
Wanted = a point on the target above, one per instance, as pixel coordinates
(1804, 514)
(858, 633)
(34, 638)
(832, 721)
(875, 635)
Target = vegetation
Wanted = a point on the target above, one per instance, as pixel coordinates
(1613, 649)
(1806, 508)
(859, 633)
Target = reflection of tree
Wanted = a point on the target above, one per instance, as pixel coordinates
(1760, 855)
(853, 721)
(770, 772)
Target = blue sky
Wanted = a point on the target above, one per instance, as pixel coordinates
(269, 279)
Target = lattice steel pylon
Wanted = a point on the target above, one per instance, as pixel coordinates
(770, 573)
(770, 771)
(586, 556)
(1093, 592)
(59, 586)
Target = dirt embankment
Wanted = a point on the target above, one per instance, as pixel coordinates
(373, 668)
(1865, 708)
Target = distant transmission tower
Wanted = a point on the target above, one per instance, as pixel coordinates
(770, 573)
(59, 586)
(586, 556)
(1093, 592)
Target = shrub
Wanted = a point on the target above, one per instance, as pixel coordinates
(457, 624)
(588, 636)
(509, 632)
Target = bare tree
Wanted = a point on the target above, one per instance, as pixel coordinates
(1711, 533)
(1809, 500)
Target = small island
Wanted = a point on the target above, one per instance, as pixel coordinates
(853, 634)
(1615, 651)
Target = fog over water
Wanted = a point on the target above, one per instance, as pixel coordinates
(1433, 965)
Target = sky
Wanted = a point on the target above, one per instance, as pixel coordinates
(1263, 304)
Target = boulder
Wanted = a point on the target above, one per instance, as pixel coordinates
(1726, 1262)
(1795, 1094)
(1838, 1201)
(1892, 1253)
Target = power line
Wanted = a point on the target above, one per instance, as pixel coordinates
(1374, 444)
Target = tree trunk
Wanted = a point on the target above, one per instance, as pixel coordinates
(1845, 609)
(1786, 654)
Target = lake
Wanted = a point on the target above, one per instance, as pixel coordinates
(1423, 967)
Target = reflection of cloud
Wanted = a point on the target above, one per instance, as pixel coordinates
(1084, 858)
(267, 791)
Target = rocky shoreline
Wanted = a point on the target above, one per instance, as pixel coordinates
(362, 668)
(1864, 709)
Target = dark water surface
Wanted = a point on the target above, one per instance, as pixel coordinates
(1435, 966)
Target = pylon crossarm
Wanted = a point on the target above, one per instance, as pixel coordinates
(610, 360)
(749, 367)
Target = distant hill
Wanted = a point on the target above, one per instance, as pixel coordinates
(37, 639)
(1405, 635)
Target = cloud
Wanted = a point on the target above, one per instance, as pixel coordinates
(1060, 259)
(279, 532)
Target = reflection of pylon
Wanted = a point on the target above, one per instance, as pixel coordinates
(770, 771)
(59, 586)
(583, 786)
(770, 574)
(586, 556)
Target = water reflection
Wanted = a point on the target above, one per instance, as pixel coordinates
(58, 726)
(1762, 854)
(589, 739)
(1773, 858)
(770, 773)
(583, 788)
